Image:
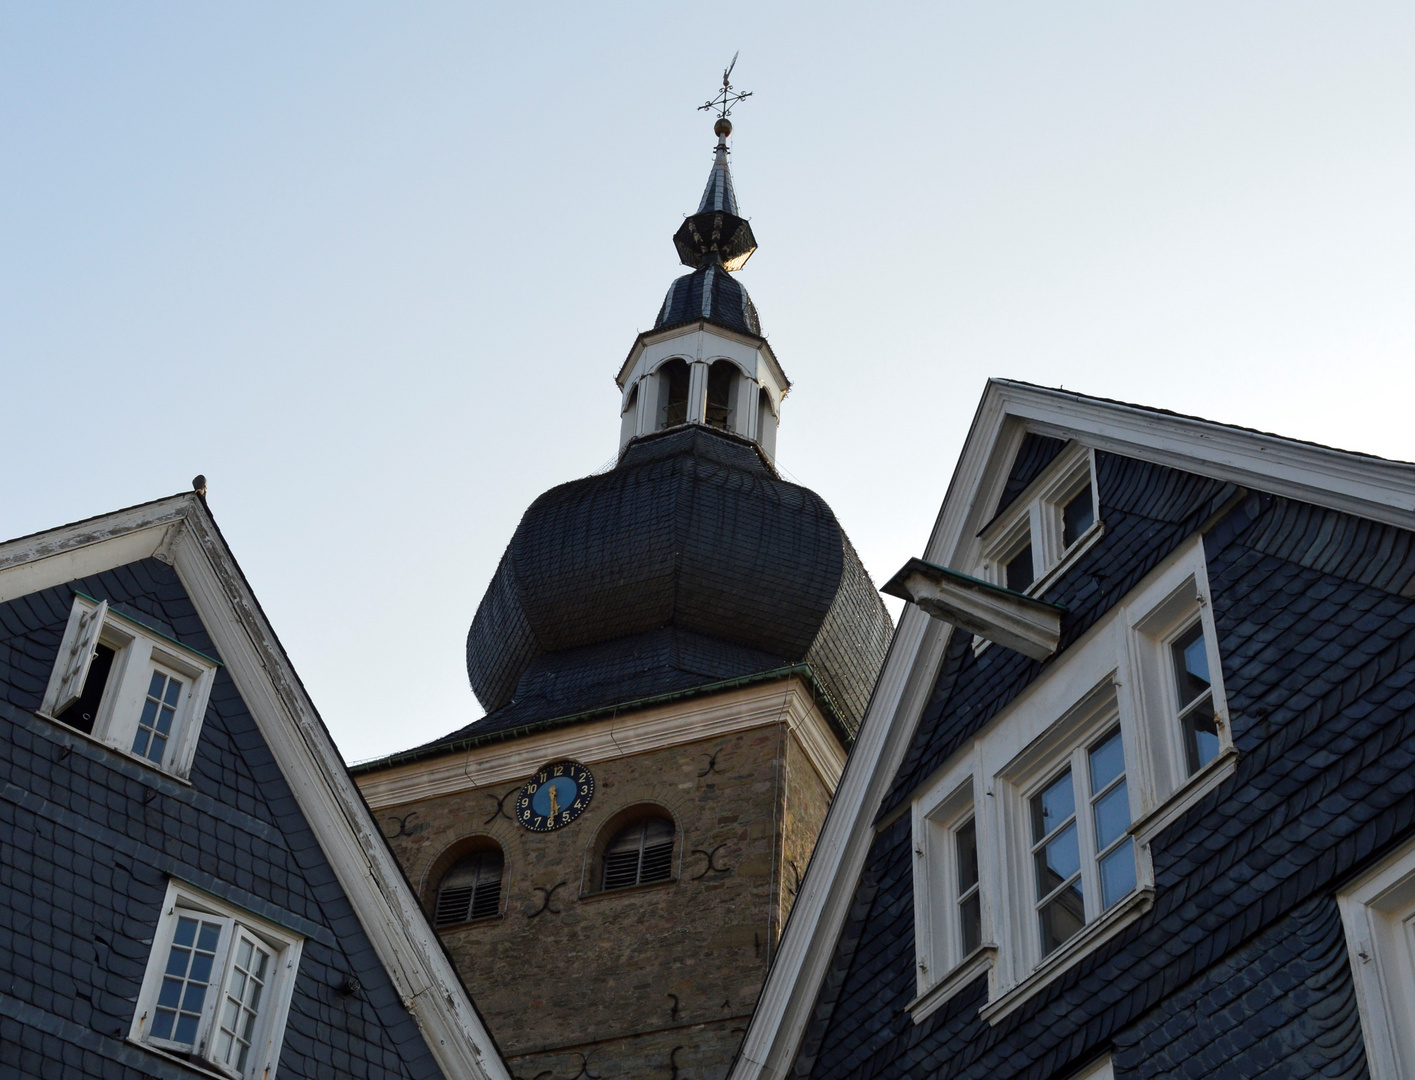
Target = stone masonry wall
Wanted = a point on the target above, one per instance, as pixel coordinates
(657, 980)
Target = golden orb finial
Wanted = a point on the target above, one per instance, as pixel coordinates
(723, 127)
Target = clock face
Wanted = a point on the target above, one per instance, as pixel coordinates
(555, 796)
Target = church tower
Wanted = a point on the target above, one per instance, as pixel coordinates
(673, 656)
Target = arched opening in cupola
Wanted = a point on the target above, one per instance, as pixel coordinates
(629, 418)
(721, 384)
(673, 381)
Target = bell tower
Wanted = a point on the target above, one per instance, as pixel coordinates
(673, 656)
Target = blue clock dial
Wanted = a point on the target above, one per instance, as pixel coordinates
(554, 797)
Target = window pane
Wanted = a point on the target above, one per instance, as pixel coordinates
(1058, 860)
(967, 844)
(1062, 917)
(1191, 664)
(238, 1017)
(183, 993)
(1107, 761)
(1052, 806)
(1112, 816)
(970, 914)
(1200, 735)
(1077, 516)
(1118, 873)
(1019, 570)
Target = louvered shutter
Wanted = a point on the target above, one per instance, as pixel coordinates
(471, 890)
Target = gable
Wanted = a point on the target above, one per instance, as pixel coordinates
(1345, 500)
(181, 550)
(1318, 650)
(97, 836)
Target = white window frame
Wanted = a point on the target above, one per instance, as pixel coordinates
(942, 966)
(139, 650)
(1378, 914)
(286, 947)
(1114, 675)
(1035, 517)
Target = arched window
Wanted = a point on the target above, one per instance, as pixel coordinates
(673, 393)
(639, 853)
(471, 889)
(722, 380)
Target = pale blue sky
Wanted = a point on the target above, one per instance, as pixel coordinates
(372, 267)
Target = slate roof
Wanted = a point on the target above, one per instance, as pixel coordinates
(1240, 967)
(689, 563)
(719, 195)
(89, 838)
(712, 294)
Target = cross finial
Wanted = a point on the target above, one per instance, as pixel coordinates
(725, 98)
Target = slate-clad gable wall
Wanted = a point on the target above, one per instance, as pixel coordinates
(1240, 968)
(89, 838)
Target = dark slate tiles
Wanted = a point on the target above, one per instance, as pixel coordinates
(692, 549)
(89, 838)
(1146, 511)
(1240, 967)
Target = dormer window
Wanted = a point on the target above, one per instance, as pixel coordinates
(1049, 524)
(130, 686)
(1019, 572)
(1190, 656)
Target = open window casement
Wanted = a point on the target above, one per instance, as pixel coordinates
(129, 686)
(218, 986)
(76, 655)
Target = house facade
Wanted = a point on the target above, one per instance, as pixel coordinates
(1135, 794)
(190, 884)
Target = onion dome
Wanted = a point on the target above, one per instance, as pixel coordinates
(711, 294)
(689, 563)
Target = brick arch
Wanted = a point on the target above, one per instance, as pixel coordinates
(449, 856)
(624, 816)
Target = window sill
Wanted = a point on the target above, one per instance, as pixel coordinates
(110, 748)
(1083, 544)
(201, 1068)
(1188, 793)
(1103, 929)
(452, 927)
(602, 894)
(974, 964)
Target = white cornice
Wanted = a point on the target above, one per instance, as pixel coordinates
(702, 326)
(653, 728)
(181, 530)
(1358, 484)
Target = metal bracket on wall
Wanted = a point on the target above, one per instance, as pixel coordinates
(500, 810)
(403, 829)
(545, 900)
(712, 866)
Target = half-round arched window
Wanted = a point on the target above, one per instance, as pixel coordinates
(673, 381)
(639, 853)
(471, 889)
(722, 380)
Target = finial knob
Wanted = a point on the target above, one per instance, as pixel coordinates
(722, 128)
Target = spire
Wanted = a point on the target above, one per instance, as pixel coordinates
(716, 234)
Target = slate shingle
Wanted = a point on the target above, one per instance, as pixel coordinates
(84, 864)
(1240, 967)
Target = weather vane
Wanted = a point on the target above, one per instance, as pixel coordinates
(726, 97)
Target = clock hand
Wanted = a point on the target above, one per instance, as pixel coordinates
(554, 803)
